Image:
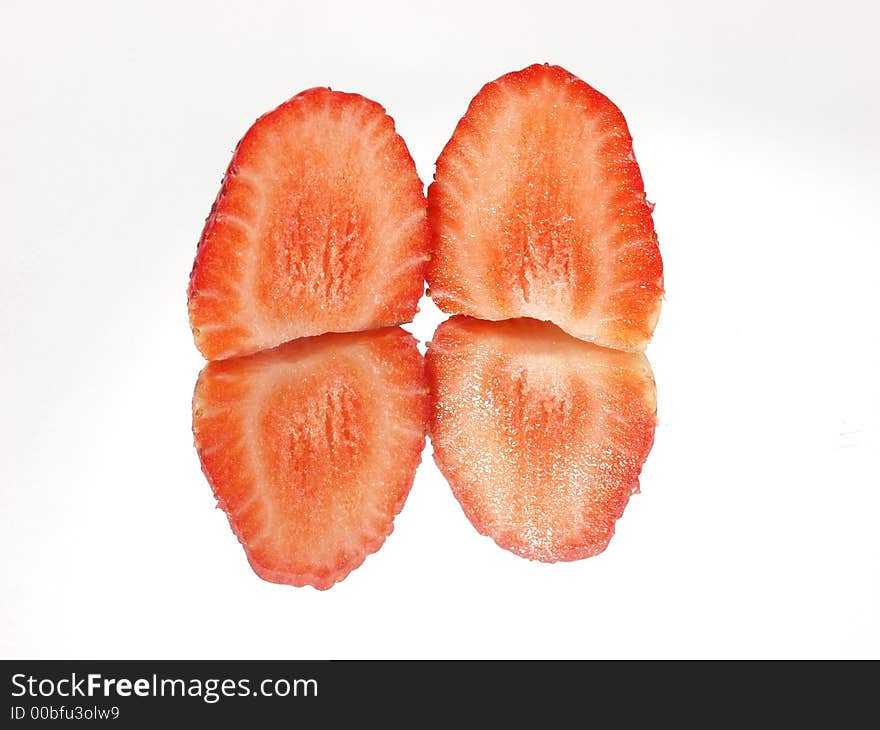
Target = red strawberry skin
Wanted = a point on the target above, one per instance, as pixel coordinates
(541, 436)
(311, 448)
(538, 210)
(320, 226)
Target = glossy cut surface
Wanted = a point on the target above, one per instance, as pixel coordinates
(540, 435)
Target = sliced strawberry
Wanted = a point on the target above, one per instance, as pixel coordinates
(541, 436)
(319, 226)
(538, 210)
(311, 448)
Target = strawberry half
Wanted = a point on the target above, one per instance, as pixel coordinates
(541, 436)
(538, 210)
(319, 226)
(311, 448)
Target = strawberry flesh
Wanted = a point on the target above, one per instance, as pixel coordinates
(540, 435)
(311, 448)
(320, 226)
(538, 210)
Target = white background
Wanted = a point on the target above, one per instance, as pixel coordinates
(756, 534)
